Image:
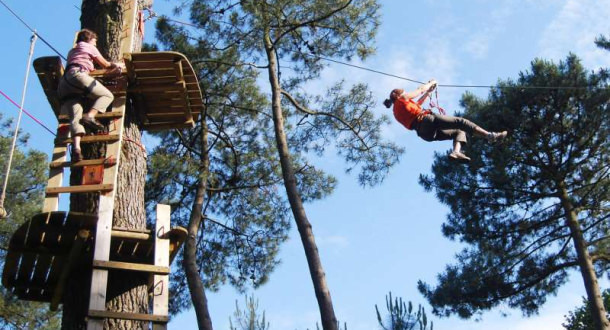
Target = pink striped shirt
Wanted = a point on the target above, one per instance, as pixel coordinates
(83, 54)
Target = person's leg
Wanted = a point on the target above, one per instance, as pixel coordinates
(449, 122)
(101, 97)
(77, 130)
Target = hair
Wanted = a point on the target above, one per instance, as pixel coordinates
(394, 94)
(86, 35)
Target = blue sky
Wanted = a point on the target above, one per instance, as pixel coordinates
(385, 238)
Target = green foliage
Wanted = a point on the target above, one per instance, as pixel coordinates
(506, 205)
(24, 198)
(402, 317)
(248, 319)
(245, 184)
(303, 32)
(580, 318)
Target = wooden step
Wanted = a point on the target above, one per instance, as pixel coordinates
(87, 162)
(131, 267)
(131, 234)
(104, 115)
(128, 316)
(89, 139)
(80, 189)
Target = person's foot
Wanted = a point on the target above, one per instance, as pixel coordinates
(496, 136)
(459, 157)
(76, 155)
(91, 124)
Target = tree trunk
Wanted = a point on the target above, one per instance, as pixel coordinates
(598, 312)
(200, 302)
(327, 313)
(127, 291)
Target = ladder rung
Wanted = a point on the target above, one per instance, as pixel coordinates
(86, 162)
(104, 115)
(128, 316)
(89, 139)
(128, 234)
(80, 189)
(158, 270)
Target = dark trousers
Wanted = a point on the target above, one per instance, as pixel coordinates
(435, 127)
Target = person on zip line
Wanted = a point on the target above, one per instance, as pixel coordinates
(77, 84)
(435, 127)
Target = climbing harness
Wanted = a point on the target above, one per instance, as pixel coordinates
(3, 212)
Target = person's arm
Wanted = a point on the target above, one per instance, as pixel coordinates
(425, 88)
(101, 61)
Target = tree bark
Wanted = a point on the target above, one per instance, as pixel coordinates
(200, 301)
(596, 303)
(126, 291)
(327, 313)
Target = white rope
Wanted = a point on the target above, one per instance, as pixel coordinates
(3, 212)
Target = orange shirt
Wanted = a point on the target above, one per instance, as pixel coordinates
(406, 111)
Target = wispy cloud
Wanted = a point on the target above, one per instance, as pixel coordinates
(575, 28)
(479, 42)
(334, 243)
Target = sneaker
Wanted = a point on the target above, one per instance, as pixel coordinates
(496, 136)
(459, 157)
(91, 124)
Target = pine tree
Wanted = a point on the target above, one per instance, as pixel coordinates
(124, 293)
(581, 319)
(232, 179)
(249, 318)
(286, 40)
(534, 207)
(402, 316)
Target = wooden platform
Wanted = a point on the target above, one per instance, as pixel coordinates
(163, 86)
(165, 89)
(43, 250)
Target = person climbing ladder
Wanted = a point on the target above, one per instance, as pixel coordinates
(77, 84)
(435, 127)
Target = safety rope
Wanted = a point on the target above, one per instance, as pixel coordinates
(3, 212)
(436, 104)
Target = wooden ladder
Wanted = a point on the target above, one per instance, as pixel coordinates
(104, 231)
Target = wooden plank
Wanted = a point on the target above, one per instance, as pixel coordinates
(166, 126)
(80, 189)
(77, 247)
(155, 56)
(102, 116)
(99, 277)
(127, 316)
(9, 273)
(190, 79)
(102, 264)
(129, 235)
(85, 162)
(161, 282)
(26, 266)
(90, 139)
(49, 70)
(56, 175)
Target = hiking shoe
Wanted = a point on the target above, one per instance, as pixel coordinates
(91, 124)
(496, 136)
(459, 157)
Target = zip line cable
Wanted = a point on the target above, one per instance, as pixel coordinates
(31, 29)
(3, 212)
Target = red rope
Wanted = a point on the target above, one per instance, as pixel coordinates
(435, 105)
(27, 113)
